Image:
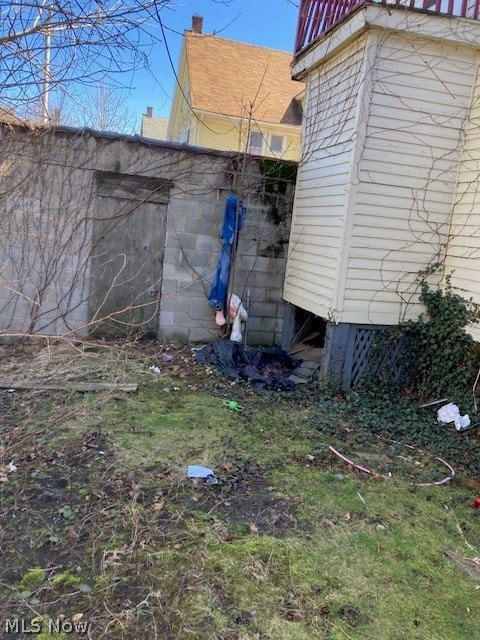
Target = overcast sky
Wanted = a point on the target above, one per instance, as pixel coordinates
(268, 23)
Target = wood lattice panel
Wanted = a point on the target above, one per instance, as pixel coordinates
(375, 351)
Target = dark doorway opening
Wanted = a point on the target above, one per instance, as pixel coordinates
(308, 338)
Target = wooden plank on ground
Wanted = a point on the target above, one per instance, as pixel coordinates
(68, 386)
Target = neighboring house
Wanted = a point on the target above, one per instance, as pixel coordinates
(234, 96)
(153, 126)
(389, 168)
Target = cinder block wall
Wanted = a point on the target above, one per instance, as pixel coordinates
(194, 221)
(199, 182)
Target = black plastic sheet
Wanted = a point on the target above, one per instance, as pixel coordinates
(267, 368)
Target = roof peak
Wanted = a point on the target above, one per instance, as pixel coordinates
(195, 34)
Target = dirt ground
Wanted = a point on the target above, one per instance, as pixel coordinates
(62, 487)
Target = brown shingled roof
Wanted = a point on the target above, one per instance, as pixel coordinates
(227, 76)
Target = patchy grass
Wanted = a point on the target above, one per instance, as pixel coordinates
(102, 527)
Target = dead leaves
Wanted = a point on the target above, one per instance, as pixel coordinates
(253, 528)
(158, 505)
(113, 557)
(302, 610)
(471, 483)
(77, 616)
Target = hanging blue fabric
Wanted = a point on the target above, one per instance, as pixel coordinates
(233, 219)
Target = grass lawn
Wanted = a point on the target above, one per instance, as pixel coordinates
(104, 536)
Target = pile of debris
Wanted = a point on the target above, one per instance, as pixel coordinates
(267, 368)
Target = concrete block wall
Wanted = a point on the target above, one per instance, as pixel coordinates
(199, 183)
(44, 244)
(192, 245)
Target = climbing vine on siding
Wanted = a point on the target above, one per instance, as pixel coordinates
(446, 357)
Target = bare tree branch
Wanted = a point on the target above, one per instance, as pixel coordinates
(53, 46)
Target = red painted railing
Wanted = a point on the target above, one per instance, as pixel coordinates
(316, 16)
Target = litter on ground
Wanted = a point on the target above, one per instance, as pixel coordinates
(451, 413)
(268, 368)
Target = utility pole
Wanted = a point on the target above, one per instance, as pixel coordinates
(46, 76)
(44, 98)
(48, 30)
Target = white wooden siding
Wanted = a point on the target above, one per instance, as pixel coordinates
(321, 193)
(463, 252)
(420, 96)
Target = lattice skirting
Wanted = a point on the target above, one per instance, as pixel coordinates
(375, 352)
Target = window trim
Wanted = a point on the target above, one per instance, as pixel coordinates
(265, 148)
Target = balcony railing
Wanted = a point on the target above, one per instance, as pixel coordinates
(317, 16)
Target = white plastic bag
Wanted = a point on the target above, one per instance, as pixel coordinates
(451, 413)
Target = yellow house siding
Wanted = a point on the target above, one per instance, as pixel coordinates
(230, 134)
(292, 150)
(322, 182)
(406, 174)
(463, 251)
(154, 127)
(216, 133)
(181, 116)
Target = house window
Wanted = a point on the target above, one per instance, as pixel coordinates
(255, 142)
(185, 136)
(277, 144)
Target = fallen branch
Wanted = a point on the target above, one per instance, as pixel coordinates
(72, 386)
(409, 446)
(469, 566)
(354, 465)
